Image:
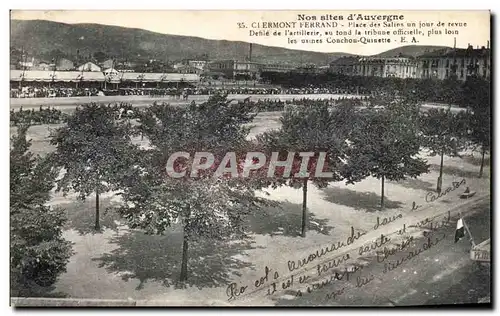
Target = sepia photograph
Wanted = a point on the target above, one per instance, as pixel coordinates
(250, 158)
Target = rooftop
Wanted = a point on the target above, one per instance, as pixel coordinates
(458, 52)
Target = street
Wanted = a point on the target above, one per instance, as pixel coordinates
(443, 274)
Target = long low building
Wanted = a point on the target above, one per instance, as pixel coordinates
(41, 76)
(159, 77)
(55, 76)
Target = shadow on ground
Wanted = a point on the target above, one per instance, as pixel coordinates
(366, 201)
(81, 215)
(479, 224)
(34, 290)
(158, 258)
(415, 184)
(476, 160)
(458, 172)
(286, 220)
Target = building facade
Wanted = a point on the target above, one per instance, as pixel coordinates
(65, 64)
(440, 64)
(399, 67)
(89, 66)
(109, 63)
(277, 68)
(199, 64)
(233, 68)
(456, 63)
(187, 69)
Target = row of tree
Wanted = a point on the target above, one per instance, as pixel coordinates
(96, 152)
(428, 90)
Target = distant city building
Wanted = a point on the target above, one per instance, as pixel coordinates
(89, 66)
(65, 64)
(456, 63)
(277, 68)
(179, 65)
(440, 64)
(233, 68)
(128, 65)
(310, 69)
(187, 69)
(108, 64)
(27, 64)
(399, 67)
(322, 69)
(199, 64)
(45, 66)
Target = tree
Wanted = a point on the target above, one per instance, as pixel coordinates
(16, 56)
(312, 128)
(476, 96)
(95, 151)
(55, 55)
(443, 133)
(38, 253)
(100, 56)
(209, 205)
(384, 143)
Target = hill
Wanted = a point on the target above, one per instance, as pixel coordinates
(40, 38)
(409, 50)
(46, 39)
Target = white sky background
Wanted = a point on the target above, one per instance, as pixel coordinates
(223, 25)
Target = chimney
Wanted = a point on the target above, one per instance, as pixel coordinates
(488, 44)
(250, 52)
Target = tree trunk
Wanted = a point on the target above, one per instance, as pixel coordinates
(97, 226)
(184, 256)
(304, 208)
(440, 179)
(482, 162)
(382, 195)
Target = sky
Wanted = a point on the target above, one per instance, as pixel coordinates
(224, 25)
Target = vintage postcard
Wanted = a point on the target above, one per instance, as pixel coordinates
(250, 158)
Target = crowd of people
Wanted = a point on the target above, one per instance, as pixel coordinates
(36, 117)
(54, 92)
(52, 115)
(122, 110)
(249, 91)
(270, 105)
